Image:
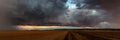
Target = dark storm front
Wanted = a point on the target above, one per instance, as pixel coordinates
(61, 13)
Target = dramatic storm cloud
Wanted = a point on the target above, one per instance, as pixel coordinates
(64, 12)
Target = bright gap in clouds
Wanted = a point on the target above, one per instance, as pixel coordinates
(71, 5)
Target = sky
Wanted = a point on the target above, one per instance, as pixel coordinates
(70, 5)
